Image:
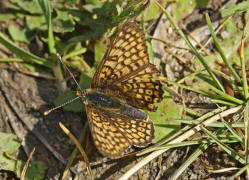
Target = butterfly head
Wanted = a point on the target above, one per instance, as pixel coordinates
(82, 94)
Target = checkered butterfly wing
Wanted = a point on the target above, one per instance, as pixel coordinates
(113, 133)
(126, 71)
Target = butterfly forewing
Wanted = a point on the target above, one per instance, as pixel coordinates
(125, 69)
(126, 55)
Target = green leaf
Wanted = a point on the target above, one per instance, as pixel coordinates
(85, 81)
(20, 35)
(36, 22)
(31, 7)
(63, 22)
(182, 8)
(210, 60)
(234, 8)
(202, 3)
(35, 169)
(164, 117)
(99, 50)
(231, 27)
(9, 143)
(45, 6)
(77, 62)
(94, 24)
(4, 17)
(92, 2)
(77, 105)
(130, 10)
(153, 11)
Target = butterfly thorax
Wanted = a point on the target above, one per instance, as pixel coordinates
(104, 101)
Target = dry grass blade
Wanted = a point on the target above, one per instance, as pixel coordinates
(26, 165)
(77, 144)
(74, 153)
(225, 170)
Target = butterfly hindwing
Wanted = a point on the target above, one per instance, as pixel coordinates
(139, 132)
(108, 139)
(113, 133)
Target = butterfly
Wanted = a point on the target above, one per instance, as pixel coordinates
(124, 82)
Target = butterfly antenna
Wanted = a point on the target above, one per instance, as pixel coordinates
(68, 102)
(71, 74)
(78, 94)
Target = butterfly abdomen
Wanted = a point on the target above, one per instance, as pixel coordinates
(133, 112)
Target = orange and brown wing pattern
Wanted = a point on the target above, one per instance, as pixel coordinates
(108, 139)
(114, 133)
(143, 89)
(126, 56)
(125, 69)
(139, 132)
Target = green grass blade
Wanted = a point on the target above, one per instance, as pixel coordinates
(51, 42)
(26, 56)
(75, 53)
(11, 60)
(192, 112)
(246, 119)
(224, 95)
(189, 161)
(186, 143)
(221, 95)
(226, 148)
(230, 128)
(47, 13)
(242, 170)
(243, 64)
(192, 89)
(221, 52)
(186, 128)
(216, 124)
(225, 103)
